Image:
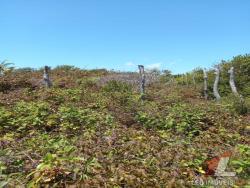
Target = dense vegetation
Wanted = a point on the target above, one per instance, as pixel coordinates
(91, 129)
(241, 66)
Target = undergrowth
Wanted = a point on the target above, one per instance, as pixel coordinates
(92, 135)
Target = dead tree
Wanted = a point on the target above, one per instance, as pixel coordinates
(232, 83)
(205, 84)
(234, 89)
(46, 77)
(142, 79)
(216, 83)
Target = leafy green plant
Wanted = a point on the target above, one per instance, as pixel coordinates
(31, 114)
(240, 105)
(242, 163)
(186, 121)
(48, 171)
(117, 86)
(54, 168)
(150, 121)
(74, 118)
(88, 82)
(179, 119)
(3, 176)
(237, 104)
(5, 117)
(24, 115)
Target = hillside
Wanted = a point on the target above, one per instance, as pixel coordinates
(92, 129)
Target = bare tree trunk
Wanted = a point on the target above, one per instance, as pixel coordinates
(142, 79)
(205, 84)
(216, 83)
(46, 77)
(234, 89)
(232, 83)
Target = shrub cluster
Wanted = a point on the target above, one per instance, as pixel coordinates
(26, 116)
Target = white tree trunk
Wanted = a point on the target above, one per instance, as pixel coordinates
(205, 84)
(216, 83)
(232, 83)
(233, 86)
(46, 77)
(142, 79)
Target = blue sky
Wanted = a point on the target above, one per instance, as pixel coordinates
(119, 34)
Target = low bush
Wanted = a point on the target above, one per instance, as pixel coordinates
(74, 118)
(179, 118)
(241, 162)
(29, 115)
(237, 105)
(5, 117)
(88, 82)
(117, 86)
(38, 115)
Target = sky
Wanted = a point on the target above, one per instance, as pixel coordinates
(178, 35)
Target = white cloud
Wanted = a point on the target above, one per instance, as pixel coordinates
(154, 66)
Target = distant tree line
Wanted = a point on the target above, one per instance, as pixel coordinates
(241, 65)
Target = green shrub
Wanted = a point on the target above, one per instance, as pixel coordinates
(30, 114)
(241, 163)
(88, 82)
(237, 104)
(240, 106)
(5, 117)
(53, 96)
(117, 86)
(73, 95)
(38, 115)
(185, 121)
(74, 118)
(179, 119)
(150, 121)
